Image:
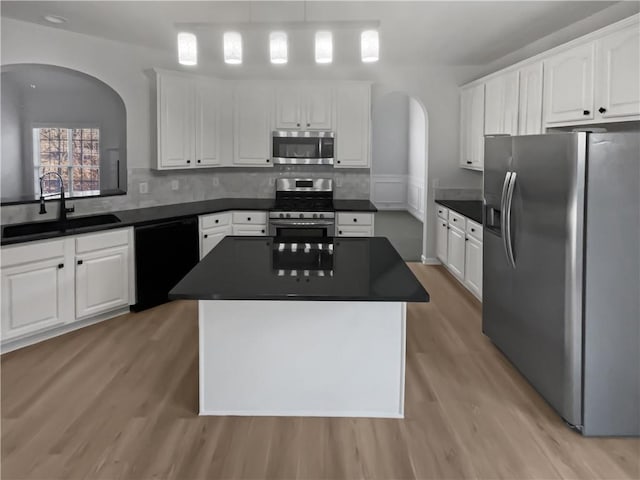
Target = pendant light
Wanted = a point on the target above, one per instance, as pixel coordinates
(278, 47)
(187, 49)
(324, 47)
(232, 48)
(369, 46)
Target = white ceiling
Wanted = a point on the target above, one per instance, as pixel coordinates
(455, 33)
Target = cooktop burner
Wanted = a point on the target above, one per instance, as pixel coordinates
(303, 204)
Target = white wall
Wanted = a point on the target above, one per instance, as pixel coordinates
(417, 159)
(12, 184)
(125, 68)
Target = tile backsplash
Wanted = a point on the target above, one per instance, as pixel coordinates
(200, 185)
(458, 194)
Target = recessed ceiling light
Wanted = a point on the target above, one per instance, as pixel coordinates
(55, 19)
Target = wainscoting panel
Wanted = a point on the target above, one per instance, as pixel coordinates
(389, 192)
(415, 197)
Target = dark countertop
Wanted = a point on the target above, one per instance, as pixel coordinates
(469, 208)
(247, 268)
(162, 213)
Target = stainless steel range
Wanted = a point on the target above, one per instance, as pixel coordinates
(303, 209)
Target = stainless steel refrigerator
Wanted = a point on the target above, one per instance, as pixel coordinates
(561, 281)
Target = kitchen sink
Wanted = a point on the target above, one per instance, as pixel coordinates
(34, 228)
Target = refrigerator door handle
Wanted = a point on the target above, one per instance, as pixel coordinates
(503, 217)
(507, 217)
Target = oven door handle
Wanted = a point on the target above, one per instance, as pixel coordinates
(301, 223)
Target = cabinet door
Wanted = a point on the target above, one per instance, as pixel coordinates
(288, 108)
(207, 138)
(102, 281)
(353, 123)
(530, 109)
(175, 122)
(252, 125)
(318, 102)
(476, 127)
(354, 231)
(250, 230)
(455, 252)
(618, 66)
(442, 238)
(212, 237)
(494, 106)
(473, 266)
(568, 85)
(466, 99)
(33, 296)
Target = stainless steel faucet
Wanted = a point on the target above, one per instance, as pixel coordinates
(62, 215)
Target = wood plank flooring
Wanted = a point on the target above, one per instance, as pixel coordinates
(117, 401)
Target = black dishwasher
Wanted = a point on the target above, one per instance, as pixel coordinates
(165, 253)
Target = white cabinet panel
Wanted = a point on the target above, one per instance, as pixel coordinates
(354, 231)
(456, 252)
(353, 123)
(442, 239)
(207, 111)
(211, 237)
(618, 67)
(472, 127)
(175, 119)
(288, 108)
(501, 105)
(304, 107)
(530, 100)
(473, 266)
(252, 115)
(102, 281)
(318, 107)
(568, 85)
(250, 230)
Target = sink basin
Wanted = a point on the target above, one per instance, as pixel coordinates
(54, 226)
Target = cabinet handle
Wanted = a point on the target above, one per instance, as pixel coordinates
(469, 162)
(444, 224)
(217, 220)
(602, 109)
(455, 220)
(267, 160)
(466, 239)
(473, 229)
(262, 230)
(308, 124)
(297, 124)
(188, 161)
(355, 219)
(206, 236)
(340, 232)
(61, 265)
(198, 161)
(586, 112)
(338, 161)
(248, 219)
(80, 262)
(448, 228)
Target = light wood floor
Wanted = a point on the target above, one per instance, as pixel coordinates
(118, 400)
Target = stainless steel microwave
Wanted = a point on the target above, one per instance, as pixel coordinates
(302, 147)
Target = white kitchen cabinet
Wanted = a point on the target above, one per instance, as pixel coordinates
(473, 266)
(304, 107)
(188, 117)
(250, 230)
(211, 237)
(618, 74)
(472, 127)
(530, 100)
(252, 223)
(568, 85)
(37, 288)
(501, 104)
(252, 122)
(353, 125)
(442, 239)
(456, 252)
(355, 224)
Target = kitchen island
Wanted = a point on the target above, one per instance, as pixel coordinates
(302, 329)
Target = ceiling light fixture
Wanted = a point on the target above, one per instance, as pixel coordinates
(324, 47)
(187, 49)
(369, 46)
(232, 48)
(278, 47)
(55, 19)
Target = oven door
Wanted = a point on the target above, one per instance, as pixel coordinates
(301, 229)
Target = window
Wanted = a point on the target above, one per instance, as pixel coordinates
(74, 153)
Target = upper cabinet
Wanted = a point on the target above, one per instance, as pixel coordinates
(618, 74)
(501, 105)
(252, 124)
(568, 85)
(304, 107)
(188, 117)
(353, 125)
(530, 100)
(472, 114)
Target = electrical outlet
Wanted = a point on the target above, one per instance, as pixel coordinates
(144, 187)
(338, 181)
(175, 184)
(216, 182)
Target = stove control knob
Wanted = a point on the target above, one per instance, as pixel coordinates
(301, 215)
(288, 215)
(322, 215)
(282, 215)
(315, 215)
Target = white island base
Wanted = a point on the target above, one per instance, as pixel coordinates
(302, 358)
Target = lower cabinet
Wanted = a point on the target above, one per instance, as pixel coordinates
(52, 283)
(455, 252)
(442, 239)
(211, 237)
(216, 226)
(354, 224)
(473, 266)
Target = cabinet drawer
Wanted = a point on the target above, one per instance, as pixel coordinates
(443, 212)
(355, 219)
(250, 217)
(99, 241)
(457, 220)
(354, 231)
(214, 220)
(32, 251)
(474, 229)
(250, 230)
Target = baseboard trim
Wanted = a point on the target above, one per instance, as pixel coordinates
(22, 342)
(430, 260)
(298, 413)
